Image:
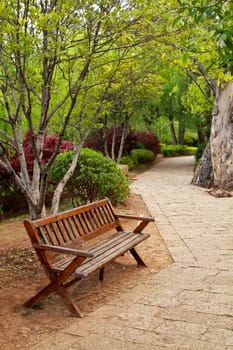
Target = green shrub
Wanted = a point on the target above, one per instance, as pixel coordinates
(130, 160)
(191, 150)
(95, 177)
(190, 139)
(177, 150)
(143, 155)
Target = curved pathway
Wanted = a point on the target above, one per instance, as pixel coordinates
(189, 304)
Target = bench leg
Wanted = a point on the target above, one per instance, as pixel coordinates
(69, 301)
(42, 294)
(137, 257)
(62, 292)
(101, 274)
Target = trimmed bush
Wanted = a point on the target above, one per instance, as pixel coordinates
(177, 150)
(143, 155)
(149, 140)
(130, 160)
(95, 177)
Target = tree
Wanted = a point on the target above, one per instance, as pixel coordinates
(131, 101)
(198, 103)
(171, 106)
(215, 19)
(58, 59)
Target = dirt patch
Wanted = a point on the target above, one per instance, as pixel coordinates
(21, 276)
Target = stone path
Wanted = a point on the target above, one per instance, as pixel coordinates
(189, 304)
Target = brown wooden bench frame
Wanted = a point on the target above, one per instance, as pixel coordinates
(59, 235)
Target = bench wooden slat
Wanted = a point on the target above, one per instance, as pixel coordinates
(78, 229)
(106, 256)
(62, 228)
(106, 250)
(99, 217)
(52, 236)
(70, 230)
(45, 238)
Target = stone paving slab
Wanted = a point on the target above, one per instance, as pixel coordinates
(189, 304)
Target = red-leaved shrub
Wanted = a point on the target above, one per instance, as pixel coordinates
(97, 138)
(149, 140)
(50, 144)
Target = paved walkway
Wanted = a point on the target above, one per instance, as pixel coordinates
(189, 304)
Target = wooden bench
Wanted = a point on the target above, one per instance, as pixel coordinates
(57, 240)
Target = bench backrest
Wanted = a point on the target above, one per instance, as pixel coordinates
(75, 225)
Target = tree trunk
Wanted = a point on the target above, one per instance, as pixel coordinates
(201, 137)
(173, 133)
(181, 134)
(203, 175)
(113, 143)
(123, 137)
(221, 138)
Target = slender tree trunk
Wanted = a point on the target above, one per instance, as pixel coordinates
(123, 137)
(201, 137)
(105, 139)
(181, 134)
(113, 143)
(173, 133)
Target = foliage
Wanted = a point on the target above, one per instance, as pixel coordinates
(170, 105)
(95, 177)
(216, 18)
(190, 139)
(49, 147)
(130, 160)
(137, 156)
(11, 196)
(143, 155)
(177, 150)
(198, 102)
(133, 140)
(97, 138)
(149, 140)
(59, 61)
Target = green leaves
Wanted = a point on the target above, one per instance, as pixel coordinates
(215, 18)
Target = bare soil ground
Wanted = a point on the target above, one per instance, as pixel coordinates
(21, 276)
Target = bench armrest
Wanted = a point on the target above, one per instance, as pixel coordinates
(142, 222)
(62, 250)
(135, 217)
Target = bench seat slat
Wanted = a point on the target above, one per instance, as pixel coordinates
(109, 255)
(114, 240)
(106, 251)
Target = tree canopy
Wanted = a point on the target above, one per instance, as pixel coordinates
(59, 60)
(69, 66)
